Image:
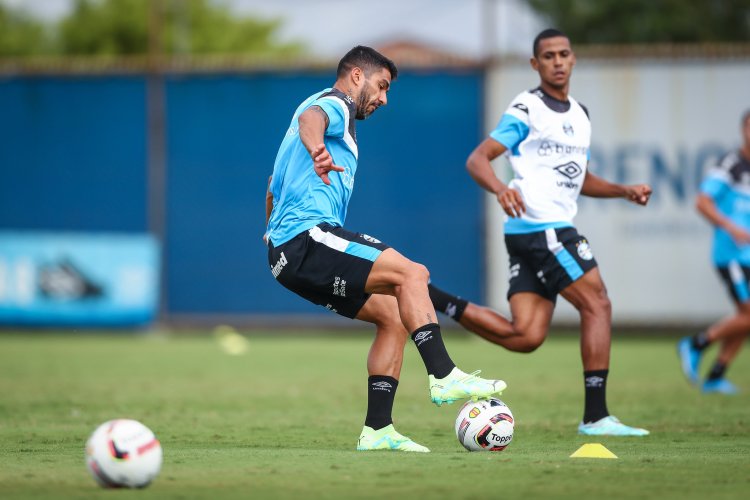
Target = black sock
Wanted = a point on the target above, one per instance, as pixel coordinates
(717, 372)
(381, 391)
(700, 341)
(435, 356)
(595, 384)
(443, 302)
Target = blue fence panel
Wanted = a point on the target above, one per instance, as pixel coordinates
(72, 153)
(73, 157)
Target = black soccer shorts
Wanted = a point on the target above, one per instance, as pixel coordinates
(736, 278)
(328, 266)
(546, 262)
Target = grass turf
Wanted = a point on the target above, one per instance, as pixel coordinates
(282, 420)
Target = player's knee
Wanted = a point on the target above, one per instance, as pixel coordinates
(416, 274)
(597, 303)
(531, 341)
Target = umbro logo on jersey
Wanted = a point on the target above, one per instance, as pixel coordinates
(521, 107)
(422, 337)
(382, 386)
(571, 170)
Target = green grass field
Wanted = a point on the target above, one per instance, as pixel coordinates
(282, 420)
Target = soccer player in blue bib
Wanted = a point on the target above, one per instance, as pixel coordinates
(354, 274)
(724, 201)
(546, 134)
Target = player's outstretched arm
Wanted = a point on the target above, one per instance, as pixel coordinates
(707, 208)
(312, 127)
(596, 187)
(479, 167)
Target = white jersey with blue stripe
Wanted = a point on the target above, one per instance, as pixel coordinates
(548, 147)
(728, 184)
(301, 200)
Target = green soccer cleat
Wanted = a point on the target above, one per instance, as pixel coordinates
(459, 385)
(610, 426)
(387, 439)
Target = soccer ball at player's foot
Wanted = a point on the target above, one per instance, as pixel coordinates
(484, 425)
(123, 454)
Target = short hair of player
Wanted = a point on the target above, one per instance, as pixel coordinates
(366, 58)
(548, 33)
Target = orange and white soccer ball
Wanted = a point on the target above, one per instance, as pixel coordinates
(485, 425)
(123, 454)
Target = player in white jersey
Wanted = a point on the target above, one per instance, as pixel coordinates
(546, 135)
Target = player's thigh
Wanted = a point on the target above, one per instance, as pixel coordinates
(532, 314)
(392, 269)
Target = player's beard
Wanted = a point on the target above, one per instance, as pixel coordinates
(362, 103)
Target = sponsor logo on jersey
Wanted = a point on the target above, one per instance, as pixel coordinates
(584, 250)
(422, 337)
(347, 178)
(548, 148)
(277, 268)
(370, 238)
(568, 129)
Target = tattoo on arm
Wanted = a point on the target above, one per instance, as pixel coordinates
(319, 110)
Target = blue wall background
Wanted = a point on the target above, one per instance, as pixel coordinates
(73, 157)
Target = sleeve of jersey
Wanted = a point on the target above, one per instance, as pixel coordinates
(334, 108)
(714, 185)
(513, 127)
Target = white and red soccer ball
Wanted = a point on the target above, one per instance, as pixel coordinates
(123, 454)
(485, 425)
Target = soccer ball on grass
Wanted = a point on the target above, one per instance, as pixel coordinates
(484, 425)
(123, 454)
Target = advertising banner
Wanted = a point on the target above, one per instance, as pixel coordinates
(84, 279)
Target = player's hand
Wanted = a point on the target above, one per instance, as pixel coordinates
(740, 236)
(639, 193)
(511, 201)
(323, 163)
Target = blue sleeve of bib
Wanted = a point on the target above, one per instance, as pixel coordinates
(713, 187)
(510, 132)
(336, 119)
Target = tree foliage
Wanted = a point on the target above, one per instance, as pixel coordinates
(20, 35)
(127, 27)
(646, 21)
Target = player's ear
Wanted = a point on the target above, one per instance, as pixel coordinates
(534, 63)
(357, 75)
